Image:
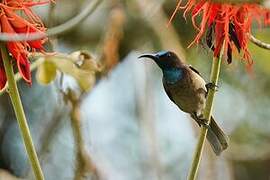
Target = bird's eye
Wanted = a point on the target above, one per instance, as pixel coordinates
(169, 54)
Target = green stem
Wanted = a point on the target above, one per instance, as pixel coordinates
(19, 112)
(207, 114)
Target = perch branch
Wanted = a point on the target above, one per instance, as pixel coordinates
(207, 115)
(20, 115)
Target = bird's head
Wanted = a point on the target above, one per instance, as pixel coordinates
(164, 59)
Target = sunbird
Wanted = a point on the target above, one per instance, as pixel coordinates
(187, 89)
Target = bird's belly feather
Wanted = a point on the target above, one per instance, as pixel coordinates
(188, 97)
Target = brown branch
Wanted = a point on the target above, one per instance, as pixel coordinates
(84, 164)
(62, 28)
(258, 42)
(109, 59)
(113, 35)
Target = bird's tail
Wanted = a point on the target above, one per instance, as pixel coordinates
(216, 137)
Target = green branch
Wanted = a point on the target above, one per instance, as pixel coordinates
(19, 112)
(207, 114)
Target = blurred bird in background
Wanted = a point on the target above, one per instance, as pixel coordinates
(188, 90)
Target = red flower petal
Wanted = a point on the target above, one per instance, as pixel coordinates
(3, 77)
(213, 13)
(17, 50)
(197, 8)
(21, 59)
(36, 44)
(231, 22)
(219, 37)
(24, 68)
(17, 17)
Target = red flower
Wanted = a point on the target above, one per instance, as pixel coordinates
(29, 22)
(225, 23)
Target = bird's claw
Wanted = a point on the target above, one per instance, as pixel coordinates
(211, 86)
(200, 120)
(207, 126)
(203, 122)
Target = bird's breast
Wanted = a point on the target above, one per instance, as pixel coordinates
(188, 93)
(173, 75)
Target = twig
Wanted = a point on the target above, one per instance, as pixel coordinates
(89, 9)
(113, 35)
(207, 114)
(259, 42)
(84, 163)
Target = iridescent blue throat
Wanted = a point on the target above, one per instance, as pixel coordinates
(172, 75)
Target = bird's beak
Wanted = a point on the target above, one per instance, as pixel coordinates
(151, 56)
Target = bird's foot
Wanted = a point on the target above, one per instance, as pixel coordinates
(203, 122)
(200, 120)
(211, 86)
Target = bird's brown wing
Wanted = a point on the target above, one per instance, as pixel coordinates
(167, 90)
(197, 72)
(194, 70)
